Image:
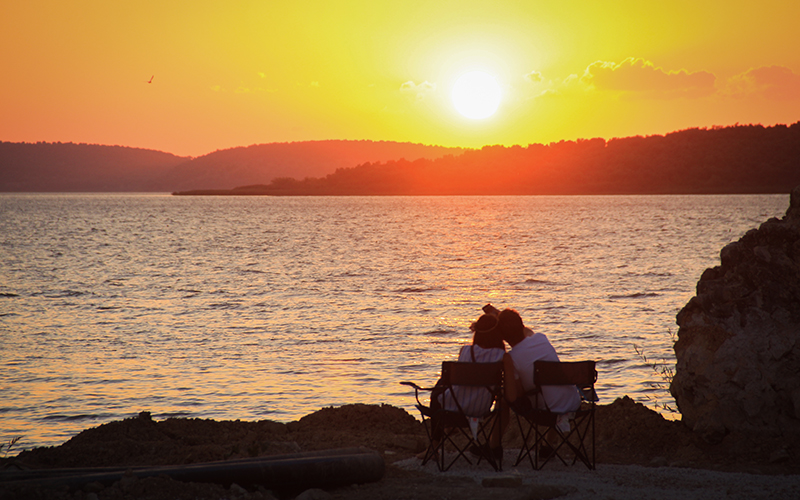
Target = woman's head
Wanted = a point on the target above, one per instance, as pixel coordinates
(509, 324)
(485, 332)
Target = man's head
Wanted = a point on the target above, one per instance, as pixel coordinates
(510, 325)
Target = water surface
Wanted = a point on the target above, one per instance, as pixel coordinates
(273, 307)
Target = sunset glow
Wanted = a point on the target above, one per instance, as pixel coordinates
(476, 95)
(228, 74)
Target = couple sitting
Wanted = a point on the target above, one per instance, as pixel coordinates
(526, 347)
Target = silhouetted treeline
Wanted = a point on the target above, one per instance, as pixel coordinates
(68, 167)
(738, 159)
(261, 163)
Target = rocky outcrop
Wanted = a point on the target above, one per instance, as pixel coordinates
(738, 348)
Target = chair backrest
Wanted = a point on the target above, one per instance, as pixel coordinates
(472, 374)
(582, 374)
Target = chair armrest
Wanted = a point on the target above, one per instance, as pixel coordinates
(589, 394)
(416, 387)
(417, 390)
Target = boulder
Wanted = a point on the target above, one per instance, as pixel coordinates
(738, 347)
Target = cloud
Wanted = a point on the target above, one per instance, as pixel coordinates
(773, 82)
(417, 92)
(561, 87)
(643, 78)
(534, 77)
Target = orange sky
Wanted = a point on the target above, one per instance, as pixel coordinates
(232, 73)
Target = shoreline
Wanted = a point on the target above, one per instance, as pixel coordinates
(637, 450)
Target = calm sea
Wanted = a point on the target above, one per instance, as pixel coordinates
(273, 307)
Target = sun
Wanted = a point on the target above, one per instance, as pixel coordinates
(476, 95)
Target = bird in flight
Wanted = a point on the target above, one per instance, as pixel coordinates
(151, 79)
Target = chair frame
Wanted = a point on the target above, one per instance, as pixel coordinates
(454, 425)
(583, 375)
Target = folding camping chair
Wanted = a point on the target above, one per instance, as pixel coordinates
(579, 439)
(457, 429)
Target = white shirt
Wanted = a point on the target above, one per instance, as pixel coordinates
(536, 347)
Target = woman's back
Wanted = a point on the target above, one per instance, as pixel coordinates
(475, 401)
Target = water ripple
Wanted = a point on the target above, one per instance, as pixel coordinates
(272, 307)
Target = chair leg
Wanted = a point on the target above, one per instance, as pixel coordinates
(525, 449)
(435, 450)
(584, 433)
(460, 439)
(562, 440)
(450, 436)
(580, 433)
(493, 424)
(544, 438)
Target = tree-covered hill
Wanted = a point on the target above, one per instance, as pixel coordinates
(261, 163)
(738, 159)
(68, 167)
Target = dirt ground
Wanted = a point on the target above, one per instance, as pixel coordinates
(627, 433)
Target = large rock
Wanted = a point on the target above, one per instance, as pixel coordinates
(738, 348)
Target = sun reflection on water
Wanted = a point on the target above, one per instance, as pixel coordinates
(271, 308)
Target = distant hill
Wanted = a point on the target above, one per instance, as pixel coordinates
(261, 163)
(68, 167)
(738, 159)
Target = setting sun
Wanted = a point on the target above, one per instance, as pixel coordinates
(476, 95)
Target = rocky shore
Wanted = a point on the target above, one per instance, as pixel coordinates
(632, 441)
(738, 348)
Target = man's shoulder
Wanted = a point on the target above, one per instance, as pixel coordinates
(533, 345)
(535, 338)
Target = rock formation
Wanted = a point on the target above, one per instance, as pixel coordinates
(738, 348)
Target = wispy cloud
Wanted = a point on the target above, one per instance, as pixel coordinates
(772, 82)
(555, 88)
(534, 77)
(642, 78)
(417, 92)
